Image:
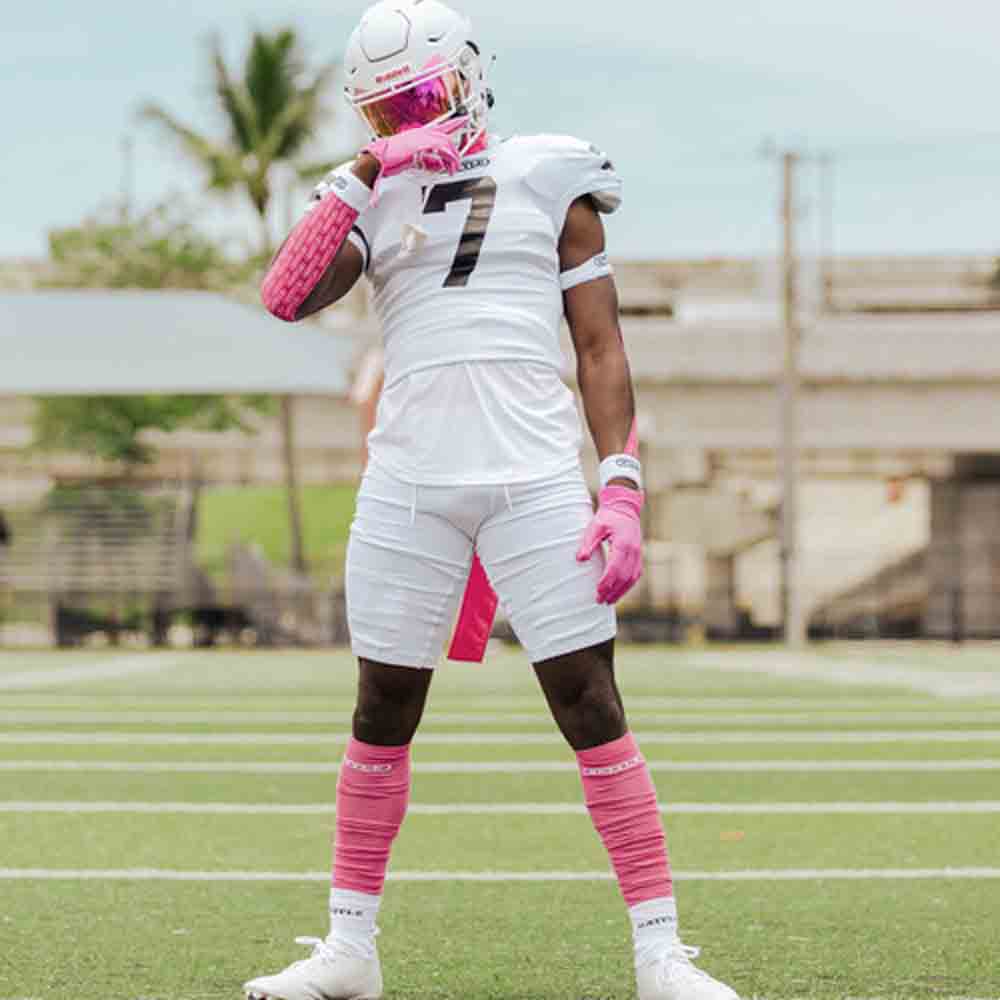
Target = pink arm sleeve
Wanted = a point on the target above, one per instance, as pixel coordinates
(305, 257)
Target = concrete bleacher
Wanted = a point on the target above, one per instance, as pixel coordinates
(885, 396)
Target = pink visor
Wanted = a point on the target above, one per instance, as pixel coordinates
(428, 100)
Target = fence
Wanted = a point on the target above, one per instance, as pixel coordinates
(680, 598)
(116, 563)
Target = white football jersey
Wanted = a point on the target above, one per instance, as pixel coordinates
(465, 271)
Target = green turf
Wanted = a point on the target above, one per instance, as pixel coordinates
(533, 729)
(46, 659)
(338, 704)
(944, 656)
(492, 788)
(515, 843)
(646, 672)
(259, 514)
(103, 940)
(331, 749)
(530, 703)
(824, 940)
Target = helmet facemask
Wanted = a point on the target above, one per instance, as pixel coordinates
(442, 90)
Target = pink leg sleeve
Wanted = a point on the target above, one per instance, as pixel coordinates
(309, 250)
(373, 792)
(621, 800)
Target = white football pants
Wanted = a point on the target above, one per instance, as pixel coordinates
(411, 548)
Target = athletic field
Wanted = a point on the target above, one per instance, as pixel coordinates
(833, 818)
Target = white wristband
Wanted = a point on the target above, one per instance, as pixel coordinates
(621, 467)
(349, 188)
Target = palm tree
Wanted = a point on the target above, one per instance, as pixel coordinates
(270, 112)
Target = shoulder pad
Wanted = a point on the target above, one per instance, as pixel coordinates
(561, 168)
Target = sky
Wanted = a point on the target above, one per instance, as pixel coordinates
(903, 93)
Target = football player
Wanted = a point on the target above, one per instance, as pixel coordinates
(476, 247)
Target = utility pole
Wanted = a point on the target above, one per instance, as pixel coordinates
(128, 178)
(287, 416)
(826, 209)
(791, 596)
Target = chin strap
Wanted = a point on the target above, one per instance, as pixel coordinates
(480, 601)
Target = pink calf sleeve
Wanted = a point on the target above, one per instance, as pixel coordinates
(372, 794)
(622, 803)
(306, 255)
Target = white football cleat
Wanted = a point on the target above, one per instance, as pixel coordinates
(673, 976)
(329, 973)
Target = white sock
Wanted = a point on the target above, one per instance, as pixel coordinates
(352, 921)
(654, 928)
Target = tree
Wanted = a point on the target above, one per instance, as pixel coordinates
(160, 249)
(270, 113)
(157, 250)
(111, 427)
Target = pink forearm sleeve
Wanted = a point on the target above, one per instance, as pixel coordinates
(310, 249)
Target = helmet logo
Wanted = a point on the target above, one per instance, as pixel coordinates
(394, 74)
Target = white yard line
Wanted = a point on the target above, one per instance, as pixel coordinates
(224, 718)
(740, 875)
(506, 808)
(863, 673)
(474, 704)
(60, 738)
(500, 766)
(121, 666)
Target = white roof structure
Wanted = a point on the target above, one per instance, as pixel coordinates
(177, 342)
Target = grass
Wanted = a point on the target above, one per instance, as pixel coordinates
(913, 654)
(185, 942)
(744, 787)
(476, 843)
(259, 514)
(821, 938)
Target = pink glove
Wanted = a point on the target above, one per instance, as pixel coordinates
(617, 521)
(426, 148)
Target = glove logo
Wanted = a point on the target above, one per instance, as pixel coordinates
(476, 164)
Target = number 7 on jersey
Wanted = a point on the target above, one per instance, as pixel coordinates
(482, 194)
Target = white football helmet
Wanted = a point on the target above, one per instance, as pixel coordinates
(411, 63)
